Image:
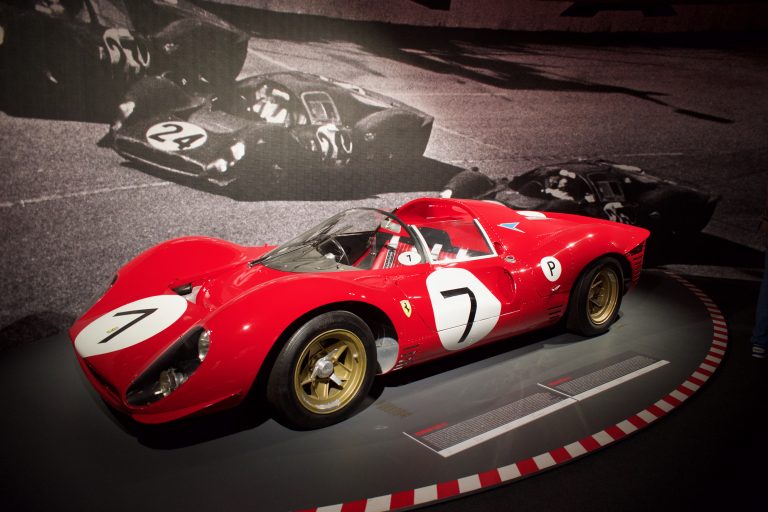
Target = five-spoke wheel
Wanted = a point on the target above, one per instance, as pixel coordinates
(323, 372)
(330, 371)
(596, 298)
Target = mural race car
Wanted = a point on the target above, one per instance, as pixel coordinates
(272, 121)
(194, 324)
(92, 49)
(596, 188)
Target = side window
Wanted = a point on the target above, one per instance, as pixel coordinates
(268, 104)
(566, 185)
(610, 190)
(450, 240)
(320, 107)
(73, 9)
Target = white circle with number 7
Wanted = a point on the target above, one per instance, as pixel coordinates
(129, 325)
(465, 310)
(176, 136)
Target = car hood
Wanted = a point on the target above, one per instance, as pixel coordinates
(216, 121)
(156, 299)
(220, 131)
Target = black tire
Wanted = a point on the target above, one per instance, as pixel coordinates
(323, 372)
(596, 298)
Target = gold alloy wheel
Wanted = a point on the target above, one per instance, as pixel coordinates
(603, 296)
(330, 371)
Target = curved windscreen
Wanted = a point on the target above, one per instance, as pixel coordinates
(358, 239)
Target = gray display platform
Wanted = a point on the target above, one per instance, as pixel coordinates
(472, 421)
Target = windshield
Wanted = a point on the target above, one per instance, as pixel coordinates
(112, 13)
(262, 101)
(358, 239)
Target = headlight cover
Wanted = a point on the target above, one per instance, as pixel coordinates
(170, 370)
(124, 111)
(217, 166)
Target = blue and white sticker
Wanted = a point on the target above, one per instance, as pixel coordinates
(176, 136)
(551, 268)
(512, 226)
(465, 310)
(129, 325)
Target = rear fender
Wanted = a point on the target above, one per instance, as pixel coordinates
(615, 240)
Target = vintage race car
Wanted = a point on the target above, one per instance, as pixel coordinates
(265, 122)
(95, 48)
(195, 324)
(596, 188)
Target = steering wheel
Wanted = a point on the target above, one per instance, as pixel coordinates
(340, 255)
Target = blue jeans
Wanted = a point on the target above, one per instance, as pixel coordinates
(760, 332)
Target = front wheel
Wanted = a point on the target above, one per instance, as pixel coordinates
(323, 372)
(596, 298)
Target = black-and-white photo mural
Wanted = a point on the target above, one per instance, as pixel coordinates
(370, 255)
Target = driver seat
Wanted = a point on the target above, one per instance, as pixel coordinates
(387, 255)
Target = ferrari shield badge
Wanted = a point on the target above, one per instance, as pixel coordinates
(406, 305)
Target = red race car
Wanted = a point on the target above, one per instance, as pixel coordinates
(190, 324)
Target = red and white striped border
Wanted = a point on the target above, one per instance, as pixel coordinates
(472, 483)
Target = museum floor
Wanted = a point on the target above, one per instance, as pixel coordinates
(695, 455)
(700, 457)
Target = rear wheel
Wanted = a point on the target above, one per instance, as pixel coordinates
(323, 372)
(596, 298)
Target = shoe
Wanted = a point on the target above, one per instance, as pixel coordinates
(759, 351)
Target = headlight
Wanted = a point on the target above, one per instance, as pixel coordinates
(238, 151)
(125, 110)
(170, 48)
(172, 369)
(203, 345)
(169, 380)
(219, 165)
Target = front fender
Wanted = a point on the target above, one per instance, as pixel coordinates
(256, 323)
(400, 131)
(182, 260)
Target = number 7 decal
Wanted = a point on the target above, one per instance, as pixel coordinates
(472, 307)
(143, 313)
(465, 310)
(129, 325)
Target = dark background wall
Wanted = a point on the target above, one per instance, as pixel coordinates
(538, 15)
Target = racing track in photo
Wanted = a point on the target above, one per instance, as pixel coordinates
(73, 211)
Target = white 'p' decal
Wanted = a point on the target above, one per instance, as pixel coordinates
(551, 268)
